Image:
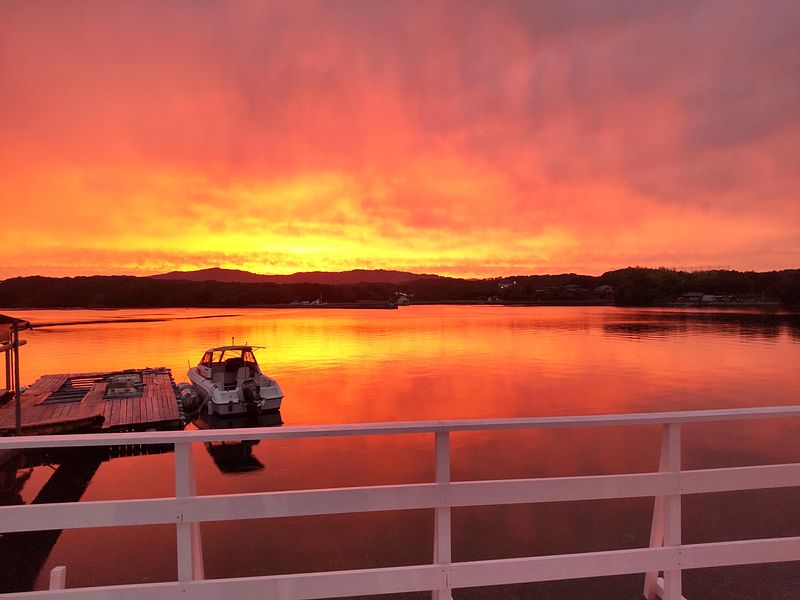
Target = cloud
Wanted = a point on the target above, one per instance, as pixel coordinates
(472, 137)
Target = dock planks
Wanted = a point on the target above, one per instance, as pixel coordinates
(157, 406)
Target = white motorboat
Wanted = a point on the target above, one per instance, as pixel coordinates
(229, 381)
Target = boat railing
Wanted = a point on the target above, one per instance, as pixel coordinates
(665, 554)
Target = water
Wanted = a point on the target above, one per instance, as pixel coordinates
(439, 362)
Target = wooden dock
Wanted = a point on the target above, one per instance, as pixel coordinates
(130, 400)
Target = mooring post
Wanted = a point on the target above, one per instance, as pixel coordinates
(666, 526)
(17, 392)
(442, 554)
(190, 546)
(7, 357)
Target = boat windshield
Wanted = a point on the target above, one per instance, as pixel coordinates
(218, 357)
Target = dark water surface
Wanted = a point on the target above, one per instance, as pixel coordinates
(435, 362)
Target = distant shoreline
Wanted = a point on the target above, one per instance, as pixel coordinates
(762, 306)
(346, 305)
(625, 287)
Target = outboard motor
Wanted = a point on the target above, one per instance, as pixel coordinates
(190, 399)
(250, 395)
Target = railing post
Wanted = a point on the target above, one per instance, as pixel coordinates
(442, 554)
(672, 512)
(190, 548)
(666, 525)
(58, 578)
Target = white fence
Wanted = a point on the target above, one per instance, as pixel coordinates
(186, 510)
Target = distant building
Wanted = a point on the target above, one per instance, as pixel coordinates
(604, 290)
(689, 296)
(403, 299)
(574, 288)
(695, 298)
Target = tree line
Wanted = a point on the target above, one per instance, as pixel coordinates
(633, 286)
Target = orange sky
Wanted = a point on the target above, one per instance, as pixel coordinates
(462, 138)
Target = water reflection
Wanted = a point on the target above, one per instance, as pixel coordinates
(643, 330)
(68, 474)
(235, 456)
(747, 324)
(214, 421)
(23, 554)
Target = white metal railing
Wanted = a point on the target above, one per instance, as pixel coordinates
(666, 553)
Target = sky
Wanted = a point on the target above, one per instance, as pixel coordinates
(464, 138)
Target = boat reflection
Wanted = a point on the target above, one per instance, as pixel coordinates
(236, 456)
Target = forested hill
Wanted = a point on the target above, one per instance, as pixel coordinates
(324, 277)
(625, 287)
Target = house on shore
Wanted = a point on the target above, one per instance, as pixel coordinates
(604, 290)
(696, 298)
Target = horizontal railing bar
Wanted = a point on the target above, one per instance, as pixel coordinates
(731, 479)
(426, 495)
(315, 502)
(296, 503)
(303, 586)
(562, 566)
(310, 431)
(228, 507)
(78, 515)
(619, 420)
(561, 489)
(622, 562)
(740, 552)
(307, 586)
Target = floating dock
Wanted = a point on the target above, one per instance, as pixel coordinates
(130, 400)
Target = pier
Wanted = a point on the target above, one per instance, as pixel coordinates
(129, 400)
(659, 564)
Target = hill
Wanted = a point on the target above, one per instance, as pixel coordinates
(320, 277)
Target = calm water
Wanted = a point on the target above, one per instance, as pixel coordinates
(421, 363)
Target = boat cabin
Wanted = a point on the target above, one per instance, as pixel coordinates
(229, 366)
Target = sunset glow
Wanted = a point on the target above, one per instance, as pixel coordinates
(459, 138)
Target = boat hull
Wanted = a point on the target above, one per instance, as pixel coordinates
(231, 402)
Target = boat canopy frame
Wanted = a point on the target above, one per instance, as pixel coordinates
(222, 355)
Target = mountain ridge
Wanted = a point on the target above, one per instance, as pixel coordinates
(321, 277)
